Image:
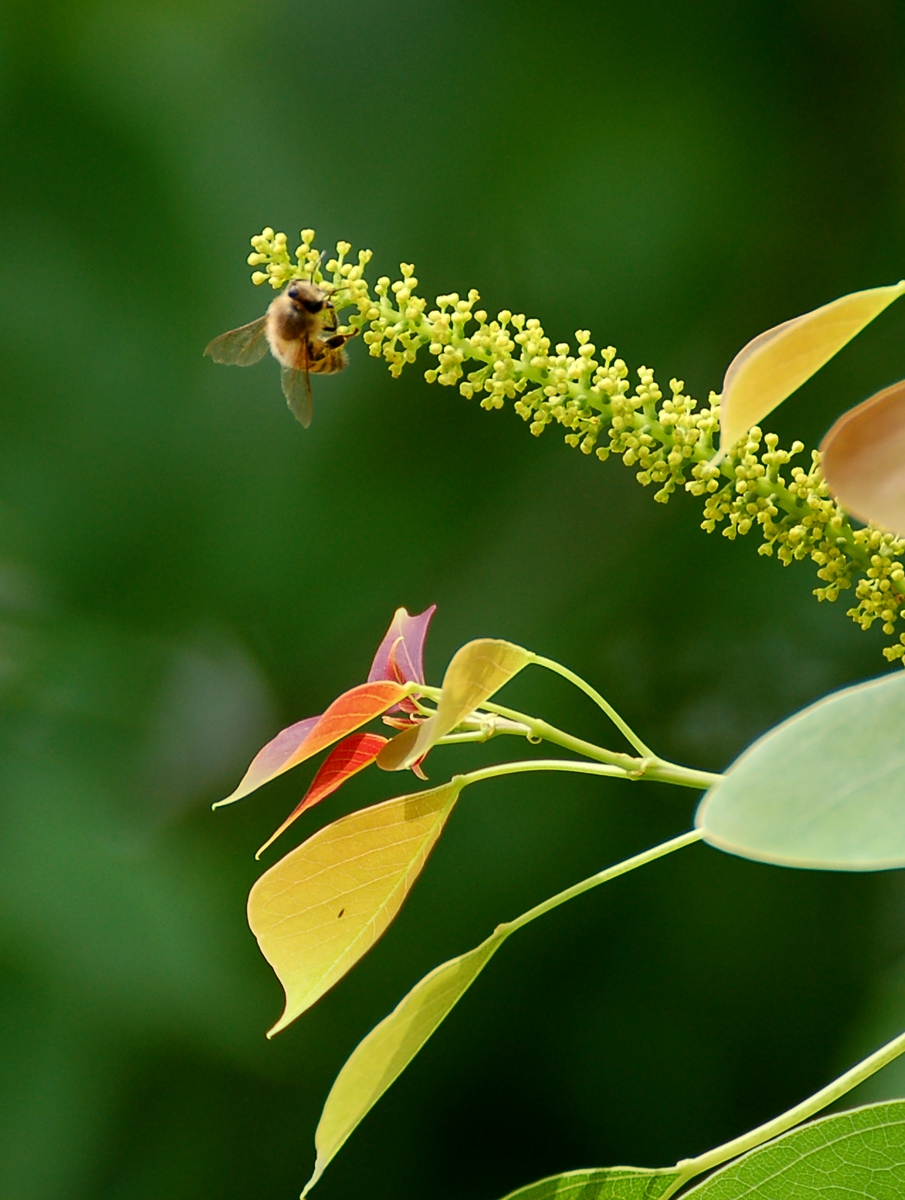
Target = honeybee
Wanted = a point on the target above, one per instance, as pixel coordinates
(299, 329)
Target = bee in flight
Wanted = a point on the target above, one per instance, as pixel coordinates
(300, 330)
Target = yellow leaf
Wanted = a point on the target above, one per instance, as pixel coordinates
(476, 671)
(777, 362)
(390, 1047)
(322, 907)
(864, 459)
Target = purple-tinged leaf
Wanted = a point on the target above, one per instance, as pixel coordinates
(400, 656)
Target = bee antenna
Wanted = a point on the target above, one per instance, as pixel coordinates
(316, 266)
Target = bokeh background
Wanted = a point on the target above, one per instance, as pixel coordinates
(183, 570)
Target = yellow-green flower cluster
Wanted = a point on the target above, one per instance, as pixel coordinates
(668, 441)
(271, 250)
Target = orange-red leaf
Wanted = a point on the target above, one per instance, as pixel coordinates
(349, 712)
(346, 759)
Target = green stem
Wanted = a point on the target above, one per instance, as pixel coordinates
(634, 768)
(691, 1167)
(669, 772)
(484, 727)
(620, 724)
(542, 764)
(648, 767)
(622, 868)
(533, 727)
(543, 731)
(474, 735)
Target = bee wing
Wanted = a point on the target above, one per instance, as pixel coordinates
(297, 390)
(240, 347)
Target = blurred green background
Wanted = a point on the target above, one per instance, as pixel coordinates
(183, 570)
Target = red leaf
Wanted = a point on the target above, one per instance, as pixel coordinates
(350, 711)
(352, 755)
(417, 768)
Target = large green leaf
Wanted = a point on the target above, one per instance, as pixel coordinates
(856, 1155)
(824, 789)
(608, 1183)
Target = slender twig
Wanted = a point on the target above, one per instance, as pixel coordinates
(690, 1167)
(623, 726)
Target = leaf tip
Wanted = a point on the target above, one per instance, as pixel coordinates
(318, 1171)
(278, 1027)
(273, 837)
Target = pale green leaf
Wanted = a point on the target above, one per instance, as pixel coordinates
(317, 911)
(608, 1183)
(777, 362)
(476, 671)
(388, 1049)
(856, 1155)
(825, 789)
(863, 459)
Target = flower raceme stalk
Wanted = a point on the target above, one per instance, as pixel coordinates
(668, 440)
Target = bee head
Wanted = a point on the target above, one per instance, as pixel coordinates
(306, 296)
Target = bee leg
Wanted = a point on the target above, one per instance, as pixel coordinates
(339, 339)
